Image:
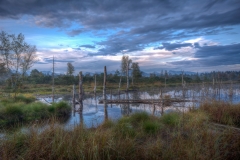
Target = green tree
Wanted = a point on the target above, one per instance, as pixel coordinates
(136, 73)
(70, 69)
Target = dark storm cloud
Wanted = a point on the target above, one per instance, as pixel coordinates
(141, 22)
(214, 56)
(231, 51)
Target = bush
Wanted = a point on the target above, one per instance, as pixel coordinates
(62, 108)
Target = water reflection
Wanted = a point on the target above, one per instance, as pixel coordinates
(92, 114)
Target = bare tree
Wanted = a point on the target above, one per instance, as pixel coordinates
(28, 59)
(125, 67)
(5, 47)
(17, 55)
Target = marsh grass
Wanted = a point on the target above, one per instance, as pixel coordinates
(128, 138)
(24, 109)
(222, 112)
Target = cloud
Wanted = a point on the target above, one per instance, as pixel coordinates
(87, 46)
(217, 55)
(74, 32)
(173, 46)
(127, 27)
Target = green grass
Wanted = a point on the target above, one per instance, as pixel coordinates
(23, 109)
(171, 119)
(139, 136)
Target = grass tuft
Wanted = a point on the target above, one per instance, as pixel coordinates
(171, 119)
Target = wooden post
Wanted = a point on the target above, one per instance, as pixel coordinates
(127, 74)
(119, 86)
(95, 86)
(104, 83)
(81, 112)
(53, 93)
(182, 79)
(80, 91)
(73, 100)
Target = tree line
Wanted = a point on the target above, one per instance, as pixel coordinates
(17, 57)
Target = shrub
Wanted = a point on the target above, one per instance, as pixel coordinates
(62, 108)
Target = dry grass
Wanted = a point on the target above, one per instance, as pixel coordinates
(136, 137)
(222, 112)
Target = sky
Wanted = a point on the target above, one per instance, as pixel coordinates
(189, 35)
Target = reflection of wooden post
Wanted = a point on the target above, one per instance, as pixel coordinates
(104, 83)
(80, 87)
(105, 111)
(153, 109)
(111, 96)
(81, 112)
(73, 100)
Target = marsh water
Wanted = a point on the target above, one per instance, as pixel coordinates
(94, 113)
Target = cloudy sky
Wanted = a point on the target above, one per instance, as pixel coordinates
(190, 35)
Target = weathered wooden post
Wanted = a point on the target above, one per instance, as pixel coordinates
(80, 91)
(182, 79)
(104, 93)
(53, 89)
(73, 100)
(104, 83)
(127, 75)
(95, 85)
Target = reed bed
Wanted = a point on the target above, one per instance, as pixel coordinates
(222, 112)
(139, 136)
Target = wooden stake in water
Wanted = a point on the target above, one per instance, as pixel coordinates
(95, 85)
(127, 75)
(80, 87)
(53, 93)
(73, 100)
(182, 79)
(104, 83)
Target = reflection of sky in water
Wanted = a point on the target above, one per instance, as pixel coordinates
(94, 114)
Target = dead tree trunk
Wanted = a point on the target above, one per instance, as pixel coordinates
(127, 75)
(80, 91)
(73, 100)
(104, 83)
(95, 85)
